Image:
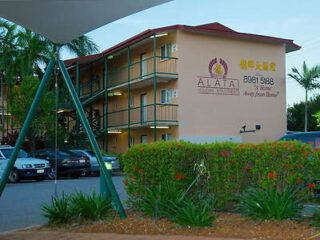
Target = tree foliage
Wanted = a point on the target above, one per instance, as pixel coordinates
(24, 56)
(308, 79)
(296, 118)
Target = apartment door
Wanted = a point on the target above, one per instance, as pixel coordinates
(143, 105)
(143, 65)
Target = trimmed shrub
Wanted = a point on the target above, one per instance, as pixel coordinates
(223, 169)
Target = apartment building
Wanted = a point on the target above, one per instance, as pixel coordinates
(198, 83)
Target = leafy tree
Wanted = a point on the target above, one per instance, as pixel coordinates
(8, 50)
(296, 117)
(306, 79)
(24, 55)
(21, 98)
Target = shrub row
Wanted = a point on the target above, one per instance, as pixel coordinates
(223, 169)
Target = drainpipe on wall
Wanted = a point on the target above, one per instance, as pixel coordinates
(129, 145)
(155, 85)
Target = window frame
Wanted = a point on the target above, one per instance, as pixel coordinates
(167, 94)
(142, 137)
(165, 137)
(131, 141)
(167, 50)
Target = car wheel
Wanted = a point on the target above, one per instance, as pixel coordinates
(85, 173)
(14, 176)
(40, 179)
(52, 174)
(75, 175)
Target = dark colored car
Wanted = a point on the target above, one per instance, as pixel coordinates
(68, 163)
(305, 137)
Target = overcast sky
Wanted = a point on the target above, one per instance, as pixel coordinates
(291, 19)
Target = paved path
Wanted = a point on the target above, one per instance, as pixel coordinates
(97, 236)
(20, 203)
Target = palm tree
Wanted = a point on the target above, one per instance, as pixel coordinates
(8, 48)
(36, 51)
(308, 80)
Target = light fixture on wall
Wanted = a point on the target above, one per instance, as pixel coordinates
(160, 126)
(159, 35)
(115, 131)
(243, 129)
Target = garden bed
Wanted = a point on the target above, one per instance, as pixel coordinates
(228, 225)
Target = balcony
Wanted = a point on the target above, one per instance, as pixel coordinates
(142, 73)
(166, 114)
(143, 116)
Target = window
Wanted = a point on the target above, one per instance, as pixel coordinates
(131, 140)
(144, 139)
(166, 95)
(166, 137)
(131, 101)
(165, 51)
(115, 141)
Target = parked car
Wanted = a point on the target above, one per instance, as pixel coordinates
(94, 165)
(68, 163)
(305, 137)
(25, 166)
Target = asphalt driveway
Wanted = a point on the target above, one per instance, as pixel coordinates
(20, 203)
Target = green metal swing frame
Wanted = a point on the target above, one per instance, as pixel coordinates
(80, 112)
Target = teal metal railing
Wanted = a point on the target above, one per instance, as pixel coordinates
(143, 70)
(144, 115)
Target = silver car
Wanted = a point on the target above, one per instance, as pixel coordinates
(94, 165)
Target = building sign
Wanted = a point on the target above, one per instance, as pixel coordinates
(257, 65)
(260, 83)
(257, 81)
(218, 82)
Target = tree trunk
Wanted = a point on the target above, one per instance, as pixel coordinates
(306, 113)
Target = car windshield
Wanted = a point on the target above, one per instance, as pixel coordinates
(7, 153)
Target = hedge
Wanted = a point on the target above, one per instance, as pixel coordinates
(224, 169)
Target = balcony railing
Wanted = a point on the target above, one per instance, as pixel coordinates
(141, 70)
(144, 115)
(166, 67)
(90, 88)
(139, 117)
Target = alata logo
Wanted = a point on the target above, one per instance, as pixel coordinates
(218, 69)
(217, 82)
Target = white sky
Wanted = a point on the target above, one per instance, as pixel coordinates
(291, 19)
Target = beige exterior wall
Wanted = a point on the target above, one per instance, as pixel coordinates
(224, 115)
(214, 101)
(122, 139)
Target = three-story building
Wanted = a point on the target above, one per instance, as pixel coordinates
(202, 84)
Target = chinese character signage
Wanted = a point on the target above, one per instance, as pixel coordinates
(257, 65)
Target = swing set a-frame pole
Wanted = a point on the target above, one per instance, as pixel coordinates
(27, 123)
(95, 147)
